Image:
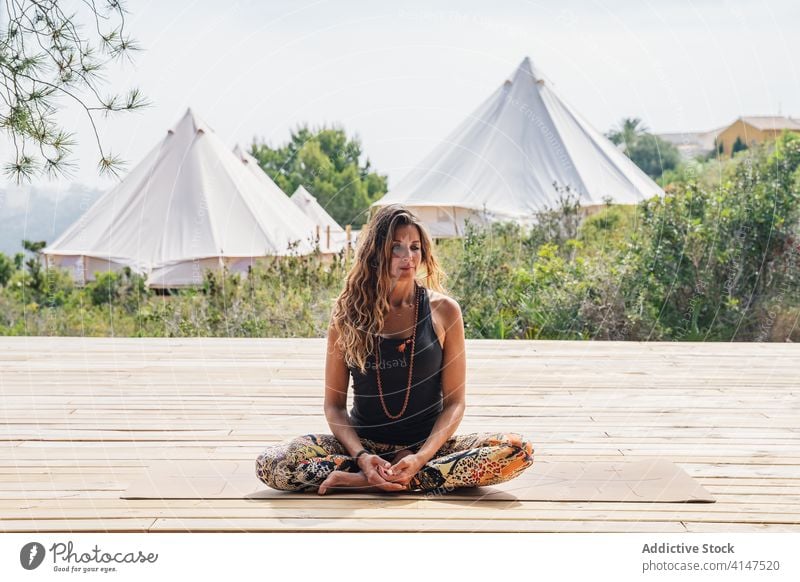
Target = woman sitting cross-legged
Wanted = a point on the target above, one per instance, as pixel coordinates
(403, 344)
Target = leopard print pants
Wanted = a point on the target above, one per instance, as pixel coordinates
(468, 460)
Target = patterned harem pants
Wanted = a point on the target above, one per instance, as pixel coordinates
(468, 460)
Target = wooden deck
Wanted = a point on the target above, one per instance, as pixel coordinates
(81, 418)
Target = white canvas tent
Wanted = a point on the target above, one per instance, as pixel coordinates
(324, 222)
(190, 205)
(311, 208)
(501, 163)
(318, 219)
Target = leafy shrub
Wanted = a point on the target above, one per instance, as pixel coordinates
(715, 259)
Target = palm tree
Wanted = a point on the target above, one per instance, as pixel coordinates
(629, 130)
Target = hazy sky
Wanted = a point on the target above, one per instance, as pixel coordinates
(401, 75)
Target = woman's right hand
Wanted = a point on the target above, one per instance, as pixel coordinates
(371, 466)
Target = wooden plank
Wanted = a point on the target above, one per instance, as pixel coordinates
(105, 408)
(407, 525)
(121, 525)
(384, 513)
(727, 527)
(311, 504)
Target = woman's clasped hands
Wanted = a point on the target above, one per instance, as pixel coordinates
(391, 477)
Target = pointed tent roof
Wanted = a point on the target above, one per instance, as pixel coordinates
(189, 198)
(312, 210)
(306, 202)
(256, 171)
(507, 154)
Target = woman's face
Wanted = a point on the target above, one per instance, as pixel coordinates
(406, 252)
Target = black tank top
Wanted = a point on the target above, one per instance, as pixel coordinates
(425, 400)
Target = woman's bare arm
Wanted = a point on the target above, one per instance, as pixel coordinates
(454, 374)
(337, 378)
(336, 381)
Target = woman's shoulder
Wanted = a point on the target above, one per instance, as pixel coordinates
(439, 299)
(445, 306)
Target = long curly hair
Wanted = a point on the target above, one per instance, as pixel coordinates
(359, 310)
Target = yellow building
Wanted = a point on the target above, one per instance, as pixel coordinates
(753, 130)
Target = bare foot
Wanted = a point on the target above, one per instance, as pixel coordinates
(345, 480)
(342, 479)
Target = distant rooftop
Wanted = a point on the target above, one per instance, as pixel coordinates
(766, 122)
(704, 140)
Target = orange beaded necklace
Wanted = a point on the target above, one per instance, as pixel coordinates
(410, 365)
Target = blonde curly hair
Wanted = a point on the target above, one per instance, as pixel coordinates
(359, 310)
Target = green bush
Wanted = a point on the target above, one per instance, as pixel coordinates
(7, 269)
(715, 259)
(713, 256)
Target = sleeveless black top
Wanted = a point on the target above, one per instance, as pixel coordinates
(425, 400)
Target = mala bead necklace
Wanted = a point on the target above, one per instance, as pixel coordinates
(400, 348)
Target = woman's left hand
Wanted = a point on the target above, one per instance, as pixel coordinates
(404, 469)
